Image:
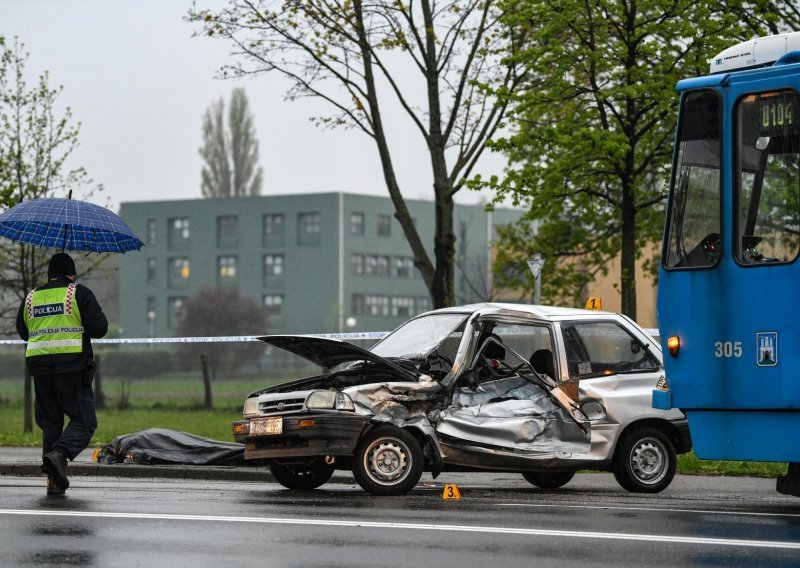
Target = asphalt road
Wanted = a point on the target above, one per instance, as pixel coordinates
(500, 521)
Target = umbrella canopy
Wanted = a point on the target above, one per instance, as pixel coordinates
(55, 222)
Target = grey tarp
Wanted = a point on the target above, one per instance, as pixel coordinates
(162, 446)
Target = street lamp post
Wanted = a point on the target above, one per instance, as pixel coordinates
(536, 264)
(151, 320)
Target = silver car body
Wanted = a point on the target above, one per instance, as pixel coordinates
(506, 423)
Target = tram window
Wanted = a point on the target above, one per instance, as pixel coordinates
(768, 174)
(693, 238)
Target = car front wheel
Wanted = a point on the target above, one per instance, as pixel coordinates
(388, 461)
(548, 479)
(645, 461)
(301, 476)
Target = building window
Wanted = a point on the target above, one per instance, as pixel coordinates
(273, 266)
(377, 305)
(404, 267)
(376, 265)
(423, 304)
(403, 307)
(179, 272)
(227, 231)
(175, 312)
(226, 269)
(357, 305)
(356, 223)
(273, 304)
(357, 264)
(308, 228)
(178, 232)
(151, 232)
(273, 229)
(151, 270)
(384, 225)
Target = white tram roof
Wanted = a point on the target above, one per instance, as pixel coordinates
(755, 52)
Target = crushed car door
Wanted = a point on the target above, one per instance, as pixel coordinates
(506, 398)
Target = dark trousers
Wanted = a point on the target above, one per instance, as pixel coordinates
(63, 395)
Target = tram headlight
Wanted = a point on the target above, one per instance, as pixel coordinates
(673, 345)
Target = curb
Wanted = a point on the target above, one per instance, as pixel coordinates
(211, 473)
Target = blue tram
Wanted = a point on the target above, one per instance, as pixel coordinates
(728, 306)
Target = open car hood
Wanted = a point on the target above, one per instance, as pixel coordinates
(328, 353)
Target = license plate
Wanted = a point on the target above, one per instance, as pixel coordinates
(266, 426)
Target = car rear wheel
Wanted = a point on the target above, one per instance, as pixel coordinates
(388, 461)
(301, 476)
(548, 479)
(645, 461)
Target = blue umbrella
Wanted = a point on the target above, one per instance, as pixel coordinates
(54, 222)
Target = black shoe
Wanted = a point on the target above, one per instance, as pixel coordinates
(53, 487)
(56, 466)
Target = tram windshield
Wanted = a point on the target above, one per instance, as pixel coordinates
(768, 174)
(694, 212)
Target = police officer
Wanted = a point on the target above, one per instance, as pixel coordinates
(57, 320)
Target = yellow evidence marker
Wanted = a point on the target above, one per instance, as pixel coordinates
(451, 491)
(593, 303)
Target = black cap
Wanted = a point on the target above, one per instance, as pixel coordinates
(61, 264)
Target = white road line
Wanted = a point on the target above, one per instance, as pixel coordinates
(650, 538)
(647, 509)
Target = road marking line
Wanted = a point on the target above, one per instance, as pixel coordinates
(648, 509)
(650, 538)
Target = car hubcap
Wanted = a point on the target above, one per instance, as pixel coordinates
(648, 461)
(386, 460)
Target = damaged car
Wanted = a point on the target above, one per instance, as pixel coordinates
(537, 390)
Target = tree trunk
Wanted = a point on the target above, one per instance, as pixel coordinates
(207, 402)
(628, 253)
(444, 245)
(99, 395)
(28, 398)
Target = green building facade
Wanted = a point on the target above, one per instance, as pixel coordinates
(318, 263)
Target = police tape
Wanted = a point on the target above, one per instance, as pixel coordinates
(350, 336)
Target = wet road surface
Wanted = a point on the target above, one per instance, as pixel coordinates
(500, 521)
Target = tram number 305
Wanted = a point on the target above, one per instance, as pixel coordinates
(727, 349)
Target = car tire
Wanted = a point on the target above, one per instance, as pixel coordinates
(301, 476)
(645, 461)
(548, 479)
(388, 461)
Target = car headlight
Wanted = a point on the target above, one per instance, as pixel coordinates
(250, 406)
(329, 400)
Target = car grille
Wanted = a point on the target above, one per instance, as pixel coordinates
(284, 406)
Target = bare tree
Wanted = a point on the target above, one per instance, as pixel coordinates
(35, 143)
(231, 156)
(440, 62)
(222, 312)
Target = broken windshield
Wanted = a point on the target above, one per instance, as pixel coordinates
(419, 337)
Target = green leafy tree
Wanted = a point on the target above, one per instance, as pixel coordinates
(361, 57)
(230, 155)
(36, 141)
(213, 312)
(594, 130)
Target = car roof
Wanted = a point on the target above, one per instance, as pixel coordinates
(537, 311)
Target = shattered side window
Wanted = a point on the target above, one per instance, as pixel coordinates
(604, 348)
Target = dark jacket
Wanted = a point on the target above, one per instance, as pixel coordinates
(94, 323)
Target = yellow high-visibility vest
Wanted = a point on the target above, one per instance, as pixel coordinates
(54, 322)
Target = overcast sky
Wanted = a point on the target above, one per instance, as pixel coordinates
(139, 84)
